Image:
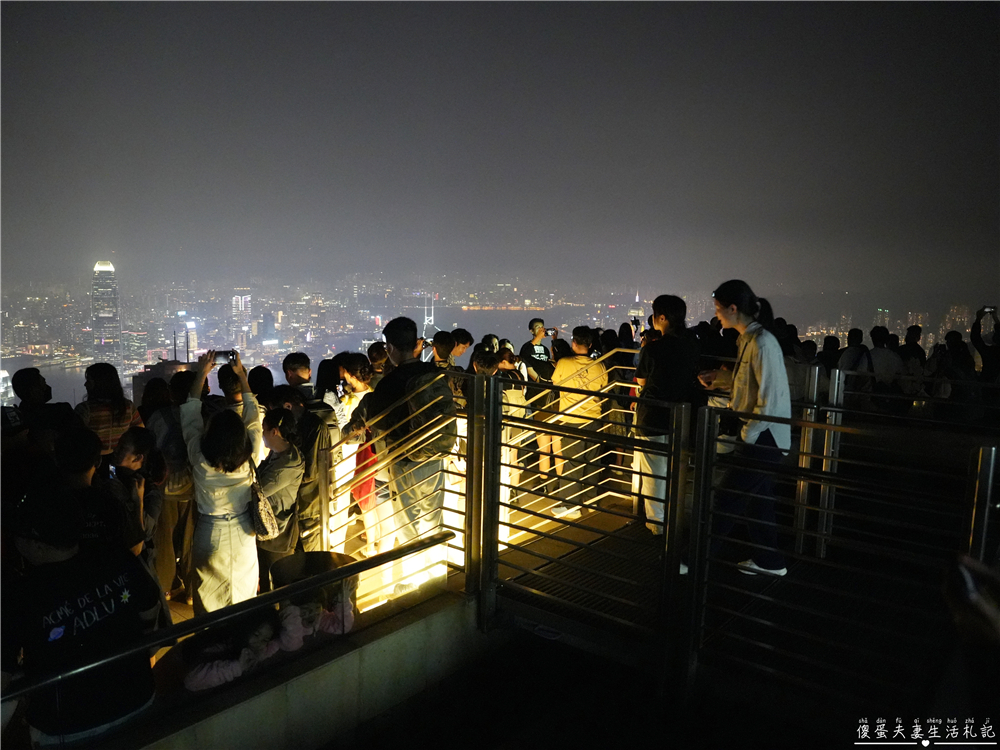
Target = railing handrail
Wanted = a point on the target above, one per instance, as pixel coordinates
(233, 611)
(545, 384)
(909, 377)
(347, 438)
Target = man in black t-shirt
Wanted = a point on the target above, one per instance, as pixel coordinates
(538, 360)
(666, 372)
(70, 608)
(536, 355)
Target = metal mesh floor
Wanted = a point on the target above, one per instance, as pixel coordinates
(614, 581)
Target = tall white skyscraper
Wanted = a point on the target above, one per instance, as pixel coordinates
(241, 320)
(105, 314)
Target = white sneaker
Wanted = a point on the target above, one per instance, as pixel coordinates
(750, 568)
(566, 511)
(683, 569)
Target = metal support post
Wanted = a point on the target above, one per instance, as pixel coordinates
(673, 512)
(831, 450)
(805, 456)
(474, 441)
(326, 498)
(706, 439)
(674, 507)
(983, 476)
(490, 501)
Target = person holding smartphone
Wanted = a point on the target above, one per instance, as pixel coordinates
(538, 359)
(759, 385)
(224, 551)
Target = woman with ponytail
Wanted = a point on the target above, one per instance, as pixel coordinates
(280, 475)
(758, 385)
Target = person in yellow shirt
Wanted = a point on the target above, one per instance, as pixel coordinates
(576, 458)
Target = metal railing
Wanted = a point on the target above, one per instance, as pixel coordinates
(443, 478)
(929, 400)
(211, 622)
(868, 531)
(569, 521)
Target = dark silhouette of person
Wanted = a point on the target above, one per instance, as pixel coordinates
(831, 352)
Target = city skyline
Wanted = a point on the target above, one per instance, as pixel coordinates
(809, 149)
(236, 315)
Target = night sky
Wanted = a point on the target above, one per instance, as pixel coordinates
(815, 147)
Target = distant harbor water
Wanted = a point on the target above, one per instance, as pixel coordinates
(67, 383)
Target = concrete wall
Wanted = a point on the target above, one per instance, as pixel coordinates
(314, 701)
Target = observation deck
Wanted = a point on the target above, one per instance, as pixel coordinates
(888, 525)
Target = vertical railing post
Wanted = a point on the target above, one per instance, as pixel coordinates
(674, 507)
(326, 497)
(673, 512)
(831, 450)
(983, 475)
(706, 439)
(474, 441)
(805, 457)
(490, 546)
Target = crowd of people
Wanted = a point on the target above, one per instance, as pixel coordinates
(111, 508)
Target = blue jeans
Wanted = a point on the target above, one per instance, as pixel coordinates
(419, 490)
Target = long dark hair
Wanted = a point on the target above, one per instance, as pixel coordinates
(626, 336)
(738, 292)
(106, 388)
(226, 443)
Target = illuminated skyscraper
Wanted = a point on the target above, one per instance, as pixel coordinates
(107, 324)
(135, 345)
(240, 320)
(241, 311)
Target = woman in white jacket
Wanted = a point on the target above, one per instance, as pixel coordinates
(224, 551)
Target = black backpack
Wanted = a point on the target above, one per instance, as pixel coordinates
(431, 403)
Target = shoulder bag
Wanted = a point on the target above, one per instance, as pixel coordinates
(265, 524)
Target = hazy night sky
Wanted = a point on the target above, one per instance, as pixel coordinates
(834, 146)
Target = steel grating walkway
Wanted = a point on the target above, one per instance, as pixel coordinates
(614, 581)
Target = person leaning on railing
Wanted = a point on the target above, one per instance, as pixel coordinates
(418, 484)
(759, 385)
